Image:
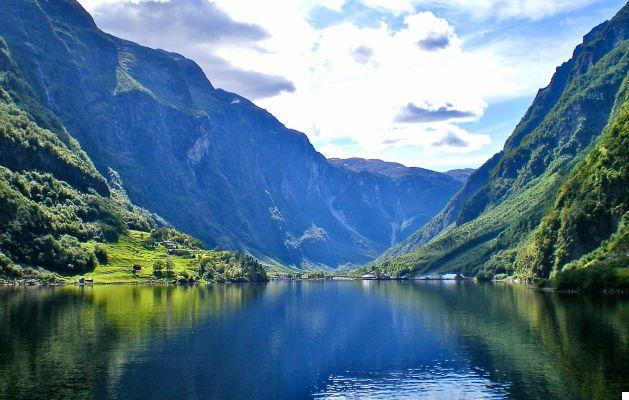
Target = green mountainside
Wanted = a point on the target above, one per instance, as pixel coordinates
(588, 226)
(60, 218)
(540, 174)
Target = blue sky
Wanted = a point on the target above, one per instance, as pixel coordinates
(431, 83)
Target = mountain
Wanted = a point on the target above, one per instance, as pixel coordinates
(379, 167)
(62, 218)
(490, 223)
(588, 227)
(60, 215)
(212, 163)
(460, 174)
(395, 170)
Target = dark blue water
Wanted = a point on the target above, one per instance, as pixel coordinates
(437, 340)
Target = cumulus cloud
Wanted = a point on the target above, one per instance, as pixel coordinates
(451, 139)
(354, 81)
(412, 113)
(434, 41)
(256, 85)
(247, 83)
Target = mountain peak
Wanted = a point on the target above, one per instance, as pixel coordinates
(69, 11)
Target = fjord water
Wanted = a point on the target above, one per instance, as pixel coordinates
(360, 339)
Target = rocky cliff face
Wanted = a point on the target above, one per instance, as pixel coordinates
(210, 162)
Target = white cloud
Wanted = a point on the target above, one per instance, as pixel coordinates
(352, 82)
(338, 96)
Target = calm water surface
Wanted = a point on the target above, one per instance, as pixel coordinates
(437, 340)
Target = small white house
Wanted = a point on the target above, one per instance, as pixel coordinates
(368, 276)
(449, 277)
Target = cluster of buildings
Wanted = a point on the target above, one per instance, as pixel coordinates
(442, 277)
(173, 249)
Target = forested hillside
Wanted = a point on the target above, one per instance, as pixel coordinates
(589, 225)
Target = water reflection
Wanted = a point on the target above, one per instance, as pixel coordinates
(311, 339)
(446, 380)
(75, 342)
(541, 345)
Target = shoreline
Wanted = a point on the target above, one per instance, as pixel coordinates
(546, 289)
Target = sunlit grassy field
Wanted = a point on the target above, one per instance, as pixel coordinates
(129, 251)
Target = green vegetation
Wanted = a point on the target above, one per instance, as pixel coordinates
(46, 223)
(173, 237)
(596, 278)
(44, 219)
(101, 254)
(465, 248)
(231, 266)
(51, 196)
(316, 275)
(585, 238)
(156, 265)
(31, 137)
(164, 267)
(101, 330)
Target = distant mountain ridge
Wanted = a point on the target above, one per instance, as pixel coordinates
(210, 162)
(394, 170)
(375, 166)
(460, 174)
(489, 225)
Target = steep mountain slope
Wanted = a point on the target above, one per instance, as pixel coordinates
(50, 193)
(414, 189)
(59, 215)
(505, 199)
(210, 162)
(589, 223)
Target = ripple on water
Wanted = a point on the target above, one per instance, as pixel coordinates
(432, 382)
